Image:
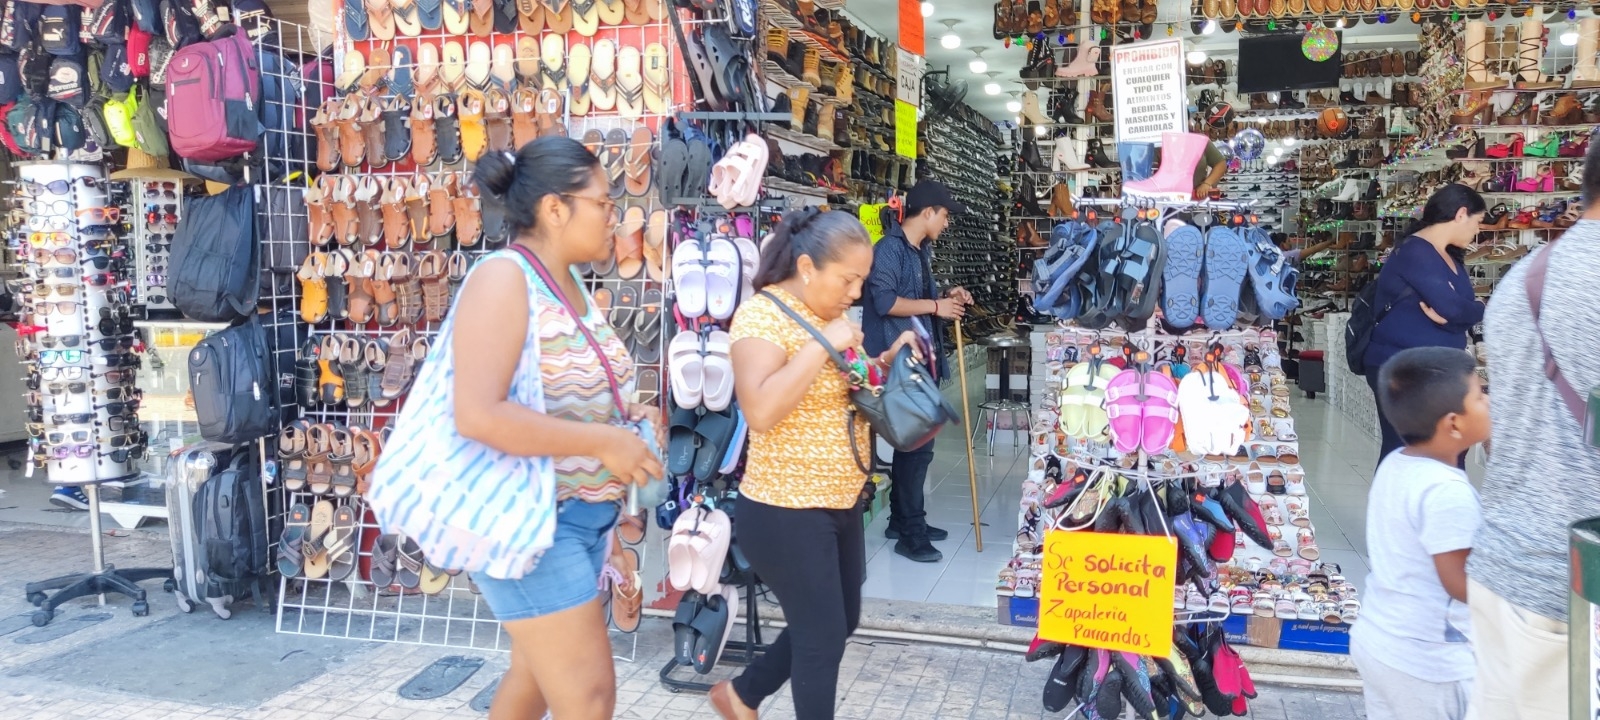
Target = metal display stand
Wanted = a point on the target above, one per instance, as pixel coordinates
(104, 579)
(737, 652)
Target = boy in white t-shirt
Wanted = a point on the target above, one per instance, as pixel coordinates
(1413, 642)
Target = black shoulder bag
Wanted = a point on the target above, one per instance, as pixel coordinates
(907, 410)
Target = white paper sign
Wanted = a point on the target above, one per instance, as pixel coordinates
(1147, 81)
(908, 80)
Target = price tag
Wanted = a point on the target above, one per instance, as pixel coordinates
(1109, 591)
(905, 129)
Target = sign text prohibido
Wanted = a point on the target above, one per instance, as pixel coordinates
(1110, 591)
(1147, 79)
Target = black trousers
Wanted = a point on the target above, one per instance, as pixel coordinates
(815, 561)
(908, 476)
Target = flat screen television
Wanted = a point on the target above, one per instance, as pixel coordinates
(1272, 63)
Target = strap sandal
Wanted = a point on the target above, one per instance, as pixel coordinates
(396, 226)
(383, 294)
(611, 158)
(441, 212)
(319, 211)
(427, 75)
(447, 129)
(360, 305)
(324, 124)
(419, 354)
(366, 447)
(409, 571)
(603, 75)
(397, 367)
(417, 210)
(378, 66)
(611, 12)
(524, 114)
(338, 288)
(342, 207)
(528, 59)
(629, 243)
(340, 454)
(292, 444)
(407, 20)
(314, 555)
(353, 368)
(368, 200)
(480, 17)
(423, 132)
(474, 136)
(341, 542)
(657, 81)
(435, 293)
(630, 83)
(647, 329)
(496, 231)
(586, 17)
(479, 60)
(407, 289)
(456, 269)
(553, 65)
(655, 245)
(558, 16)
(497, 119)
(636, 165)
(377, 359)
(385, 561)
(549, 117)
(469, 216)
(352, 141)
(503, 69)
(296, 526)
(396, 130)
(319, 478)
(578, 61)
(305, 375)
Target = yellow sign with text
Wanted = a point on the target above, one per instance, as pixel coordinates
(1103, 590)
(872, 217)
(905, 129)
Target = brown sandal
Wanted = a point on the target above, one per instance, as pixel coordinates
(424, 138)
(408, 292)
(319, 472)
(469, 215)
(397, 368)
(319, 210)
(343, 209)
(366, 447)
(549, 118)
(383, 291)
(369, 213)
(324, 123)
(524, 115)
(361, 301)
(341, 453)
(497, 116)
(417, 210)
(396, 226)
(435, 293)
(372, 130)
(352, 141)
(441, 215)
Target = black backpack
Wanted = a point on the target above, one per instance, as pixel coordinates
(230, 513)
(1364, 318)
(216, 259)
(233, 385)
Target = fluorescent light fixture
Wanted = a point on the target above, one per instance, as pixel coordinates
(1277, 151)
(927, 9)
(991, 88)
(1289, 142)
(950, 40)
(1196, 57)
(1272, 159)
(978, 66)
(1013, 107)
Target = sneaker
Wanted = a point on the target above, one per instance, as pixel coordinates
(934, 534)
(918, 550)
(71, 498)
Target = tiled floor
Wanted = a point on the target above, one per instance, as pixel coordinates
(1338, 457)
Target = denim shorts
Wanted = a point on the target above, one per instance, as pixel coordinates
(567, 575)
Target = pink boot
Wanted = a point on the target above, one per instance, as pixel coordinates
(1086, 64)
(1180, 153)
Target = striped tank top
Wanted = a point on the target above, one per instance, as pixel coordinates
(575, 388)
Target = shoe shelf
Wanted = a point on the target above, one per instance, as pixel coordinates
(776, 75)
(793, 188)
(809, 141)
(1527, 128)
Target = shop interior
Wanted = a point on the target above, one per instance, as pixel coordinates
(711, 120)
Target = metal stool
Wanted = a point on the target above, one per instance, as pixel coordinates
(989, 410)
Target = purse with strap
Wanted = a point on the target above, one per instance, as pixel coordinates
(906, 411)
(1537, 269)
(655, 492)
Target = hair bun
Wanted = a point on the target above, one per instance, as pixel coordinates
(495, 172)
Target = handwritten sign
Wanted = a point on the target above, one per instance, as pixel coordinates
(1147, 80)
(905, 129)
(912, 33)
(1108, 591)
(872, 217)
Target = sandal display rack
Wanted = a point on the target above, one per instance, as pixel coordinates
(78, 347)
(354, 607)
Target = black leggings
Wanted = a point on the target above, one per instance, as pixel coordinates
(814, 560)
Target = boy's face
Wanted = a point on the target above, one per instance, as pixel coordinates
(1472, 423)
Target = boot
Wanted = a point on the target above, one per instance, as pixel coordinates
(1065, 107)
(1030, 151)
(1031, 111)
(1530, 50)
(1348, 97)
(1375, 94)
(1137, 159)
(1097, 155)
(1287, 101)
(1352, 188)
(1585, 73)
(1068, 155)
(1061, 201)
(1098, 109)
(1474, 46)
(1084, 64)
(1180, 153)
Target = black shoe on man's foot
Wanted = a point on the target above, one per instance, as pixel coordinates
(918, 550)
(934, 534)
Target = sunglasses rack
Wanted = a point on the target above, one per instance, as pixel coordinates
(77, 344)
(156, 208)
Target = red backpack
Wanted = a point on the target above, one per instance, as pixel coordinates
(212, 92)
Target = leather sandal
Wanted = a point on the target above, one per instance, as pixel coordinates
(441, 213)
(469, 116)
(342, 207)
(524, 115)
(353, 368)
(319, 211)
(330, 384)
(324, 124)
(319, 472)
(407, 289)
(366, 447)
(497, 120)
(372, 129)
(360, 305)
(469, 216)
(383, 292)
(396, 129)
(549, 118)
(456, 269)
(435, 293)
(340, 455)
(424, 133)
(292, 444)
(397, 366)
(396, 226)
(447, 129)
(305, 374)
(352, 141)
(417, 210)
(338, 291)
(368, 199)
(376, 360)
(313, 288)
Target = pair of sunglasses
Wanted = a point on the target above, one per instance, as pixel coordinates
(62, 373)
(119, 423)
(70, 341)
(73, 388)
(44, 238)
(116, 377)
(60, 307)
(62, 452)
(64, 290)
(57, 438)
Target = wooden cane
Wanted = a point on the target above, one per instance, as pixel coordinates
(966, 421)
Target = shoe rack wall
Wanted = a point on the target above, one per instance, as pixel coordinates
(963, 152)
(354, 607)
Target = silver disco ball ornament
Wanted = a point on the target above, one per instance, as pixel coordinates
(1248, 144)
(1223, 147)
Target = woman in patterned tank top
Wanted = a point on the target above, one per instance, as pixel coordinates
(557, 206)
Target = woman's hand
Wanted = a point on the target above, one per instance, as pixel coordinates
(906, 339)
(1434, 316)
(641, 411)
(628, 457)
(842, 334)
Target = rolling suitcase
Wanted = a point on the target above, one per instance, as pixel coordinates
(188, 468)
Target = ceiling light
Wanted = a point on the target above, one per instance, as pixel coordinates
(1277, 151)
(1196, 57)
(1569, 38)
(1272, 159)
(1209, 27)
(1014, 107)
(991, 87)
(1289, 142)
(950, 40)
(978, 66)
(927, 9)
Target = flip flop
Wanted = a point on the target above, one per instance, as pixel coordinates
(579, 63)
(456, 17)
(611, 12)
(480, 17)
(558, 16)
(357, 27)
(623, 309)
(341, 543)
(627, 596)
(408, 22)
(686, 368)
(527, 58)
(718, 371)
(657, 87)
(431, 14)
(316, 563)
(655, 244)
(380, 19)
(530, 17)
(1180, 287)
(630, 244)
(630, 83)
(296, 526)
(1227, 263)
(453, 64)
(612, 160)
(672, 165)
(479, 59)
(603, 75)
(427, 74)
(586, 17)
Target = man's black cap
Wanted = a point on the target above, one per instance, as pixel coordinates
(933, 194)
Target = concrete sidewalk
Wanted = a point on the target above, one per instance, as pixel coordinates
(175, 667)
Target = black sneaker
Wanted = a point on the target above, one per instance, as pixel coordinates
(934, 534)
(918, 550)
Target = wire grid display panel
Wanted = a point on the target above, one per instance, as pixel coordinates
(354, 607)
